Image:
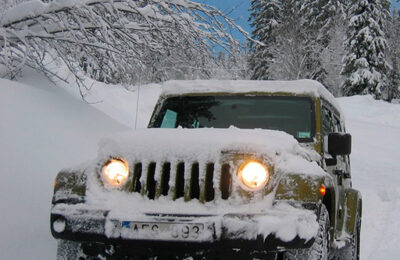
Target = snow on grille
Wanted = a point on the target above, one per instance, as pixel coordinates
(188, 180)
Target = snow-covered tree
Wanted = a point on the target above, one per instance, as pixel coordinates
(321, 15)
(320, 24)
(296, 51)
(393, 88)
(294, 35)
(115, 41)
(365, 67)
(331, 56)
(265, 17)
(326, 19)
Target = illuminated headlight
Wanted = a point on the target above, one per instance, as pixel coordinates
(253, 175)
(115, 172)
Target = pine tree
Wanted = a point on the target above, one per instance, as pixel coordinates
(365, 66)
(290, 31)
(319, 22)
(393, 89)
(320, 15)
(296, 50)
(331, 56)
(265, 16)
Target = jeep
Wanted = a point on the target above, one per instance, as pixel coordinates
(225, 170)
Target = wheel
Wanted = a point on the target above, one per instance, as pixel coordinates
(320, 248)
(68, 250)
(352, 250)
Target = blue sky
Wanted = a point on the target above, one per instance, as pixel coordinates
(238, 10)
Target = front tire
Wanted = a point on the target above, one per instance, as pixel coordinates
(320, 248)
(352, 250)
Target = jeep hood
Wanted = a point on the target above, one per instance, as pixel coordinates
(207, 145)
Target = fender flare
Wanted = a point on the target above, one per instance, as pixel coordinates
(353, 203)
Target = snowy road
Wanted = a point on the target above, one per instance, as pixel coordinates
(375, 127)
(45, 129)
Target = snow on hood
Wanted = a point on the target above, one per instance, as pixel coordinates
(207, 144)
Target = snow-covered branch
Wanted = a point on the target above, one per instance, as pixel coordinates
(114, 40)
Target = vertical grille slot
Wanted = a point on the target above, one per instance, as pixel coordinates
(165, 176)
(194, 182)
(150, 181)
(208, 185)
(226, 180)
(180, 181)
(137, 173)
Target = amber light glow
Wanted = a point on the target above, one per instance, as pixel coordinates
(254, 175)
(116, 172)
(322, 190)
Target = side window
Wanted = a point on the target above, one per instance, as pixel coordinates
(338, 126)
(327, 122)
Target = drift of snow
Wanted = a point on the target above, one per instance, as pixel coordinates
(42, 129)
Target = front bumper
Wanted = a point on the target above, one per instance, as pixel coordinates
(250, 232)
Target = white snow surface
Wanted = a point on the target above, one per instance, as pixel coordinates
(375, 127)
(36, 7)
(44, 129)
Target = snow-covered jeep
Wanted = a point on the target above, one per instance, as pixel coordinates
(226, 169)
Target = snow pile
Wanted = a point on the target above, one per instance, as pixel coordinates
(116, 101)
(284, 221)
(42, 130)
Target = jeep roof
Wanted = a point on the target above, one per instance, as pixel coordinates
(304, 87)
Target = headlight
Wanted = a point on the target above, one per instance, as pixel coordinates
(115, 172)
(253, 175)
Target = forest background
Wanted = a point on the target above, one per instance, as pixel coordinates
(352, 47)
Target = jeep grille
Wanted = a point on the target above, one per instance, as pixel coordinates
(205, 182)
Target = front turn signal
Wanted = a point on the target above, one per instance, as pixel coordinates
(322, 190)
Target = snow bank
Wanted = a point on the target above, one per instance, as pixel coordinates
(42, 129)
(375, 127)
(120, 103)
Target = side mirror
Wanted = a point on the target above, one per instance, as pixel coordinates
(339, 144)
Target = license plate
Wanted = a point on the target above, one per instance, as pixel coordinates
(163, 231)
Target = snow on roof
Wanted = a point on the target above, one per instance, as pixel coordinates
(297, 87)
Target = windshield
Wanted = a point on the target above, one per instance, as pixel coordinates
(293, 115)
